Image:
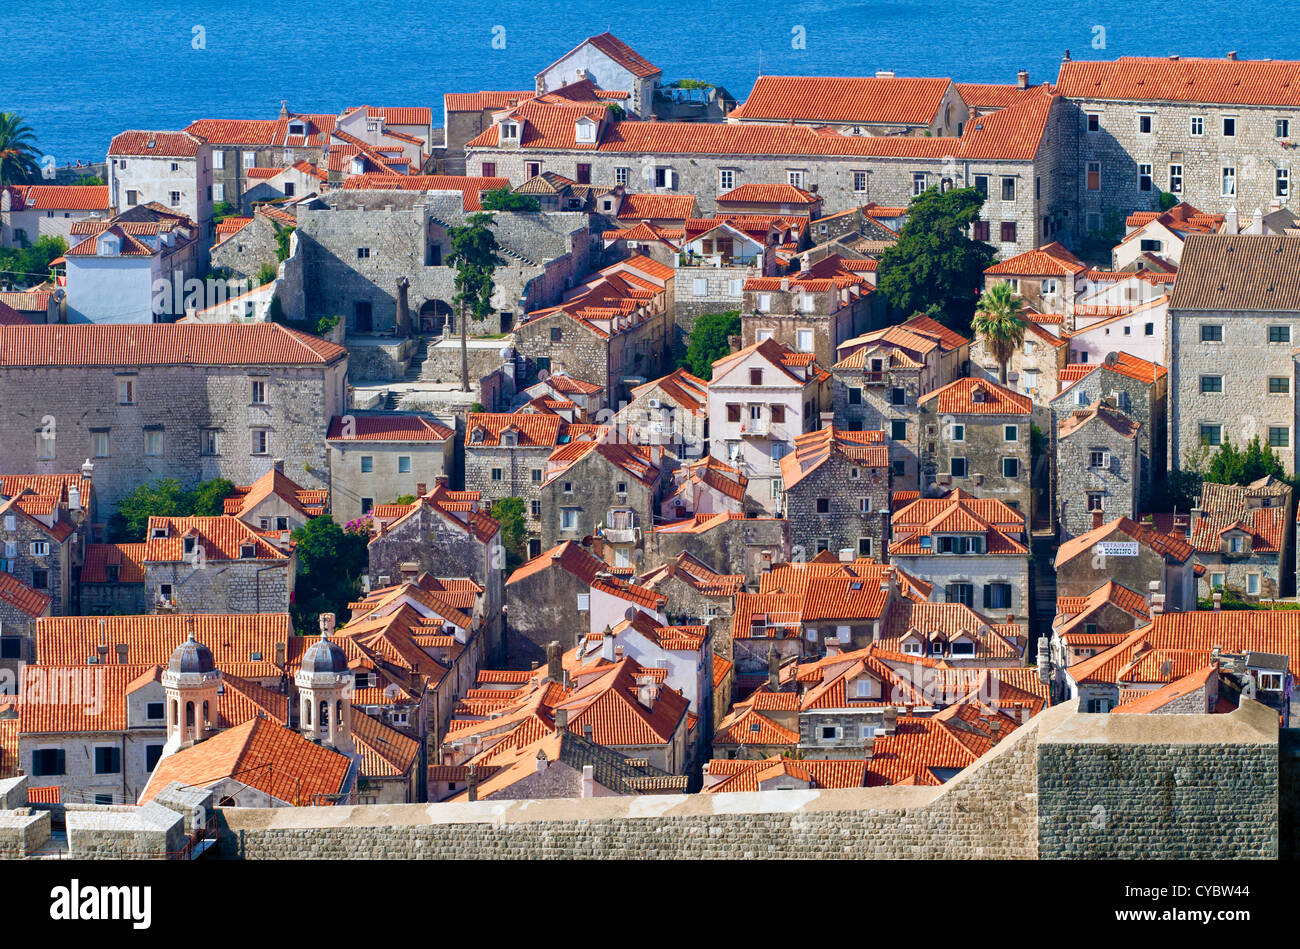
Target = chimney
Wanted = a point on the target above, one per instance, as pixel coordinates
(785, 283)
(279, 654)
(1157, 604)
(121, 653)
(420, 487)
(618, 653)
(1257, 222)
(326, 624)
(561, 719)
(1218, 600)
(473, 783)
(542, 761)
(1232, 55)
(87, 469)
(832, 648)
(647, 690)
(588, 781)
(554, 665)
(1097, 519)
(1230, 221)
(74, 499)
(441, 481)
(1022, 79)
(890, 716)
(607, 645)
(277, 465)
(284, 108)
(1044, 660)
(869, 747)
(587, 731)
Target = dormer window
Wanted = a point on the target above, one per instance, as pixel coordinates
(297, 128)
(510, 131)
(247, 551)
(189, 545)
(963, 647)
(509, 439)
(158, 532)
(476, 436)
(585, 130)
(977, 395)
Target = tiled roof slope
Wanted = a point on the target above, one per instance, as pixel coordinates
(158, 344)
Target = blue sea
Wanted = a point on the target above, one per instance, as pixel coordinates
(82, 71)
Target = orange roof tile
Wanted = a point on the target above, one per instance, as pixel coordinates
(755, 193)
(470, 187)
(128, 558)
(1170, 79)
(195, 344)
(970, 396)
(867, 100)
(387, 427)
(1053, 258)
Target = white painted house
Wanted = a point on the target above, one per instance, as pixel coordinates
(111, 278)
(173, 169)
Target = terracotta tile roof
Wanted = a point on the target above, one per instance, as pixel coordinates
(308, 502)
(1166, 545)
(275, 131)
(484, 429)
(241, 644)
(754, 193)
(946, 622)
(668, 638)
(397, 115)
(19, 596)
(1158, 698)
(927, 326)
(128, 558)
(161, 144)
(1053, 258)
(978, 397)
(711, 473)
(222, 537)
(387, 427)
(1080, 609)
(569, 385)
(619, 52)
(660, 207)
(385, 751)
(1238, 272)
(777, 355)
(588, 568)
(194, 344)
(471, 188)
(11, 317)
(632, 459)
(1266, 526)
(814, 449)
(64, 198)
(263, 754)
(129, 246)
(858, 99)
(482, 101)
(980, 95)
(1002, 525)
(26, 301)
(1166, 79)
(78, 698)
(844, 773)
(1114, 419)
(697, 574)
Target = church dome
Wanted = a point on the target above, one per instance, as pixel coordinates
(324, 656)
(191, 656)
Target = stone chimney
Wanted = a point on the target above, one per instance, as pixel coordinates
(1022, 79)
(284, 108)
(1044, 660)
(1218, 600)
(832, 648)
(1232, 55)
(869, 747)
(1230, 221)
(607, 645)
(647, 691)
(588, 781)
(890, 717)
(561, 719)
(554, 665)
(542, 761)
(87, 469)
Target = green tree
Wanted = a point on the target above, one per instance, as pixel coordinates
(708, 341)
(510, 513)
(163, 498)
(18, 161)
(1230, 465)
(474, 253)
(615, 112)
(935, 262)
(999, 321)
(31, 264)
(88, 180)
(266, 273)
(222, 210)
(1167, 200)
(503, 199)
(282, 241)
(330, 564)
(208, 499)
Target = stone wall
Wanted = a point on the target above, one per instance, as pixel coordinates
(1077, 477)
(1168, 786)
(845, 486)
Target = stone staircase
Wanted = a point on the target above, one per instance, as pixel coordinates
(1043, 588)
(414, 368)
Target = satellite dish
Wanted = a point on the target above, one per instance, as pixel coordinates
(630, 614)
(543, 375)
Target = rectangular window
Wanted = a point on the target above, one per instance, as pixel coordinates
(250, 159)
(701, 286)
(855, 395)
(108, 760)
(1229, 182)
(132, 197)
(957, 467)
(1094, 122)
(1211, 384)
(980, 231)
(898, 429)
(48, 762)
(1008, 188)
(1010, 468)
(126, 391)
(1176, 179)
(532, 169)
(1144, 124)
(569, 518)
(403, 464)
(620, 176)
(804, 341)
(778, 413)
(498, 474)
(218, 159)
(1279, 334)
(1198, 125)
(40, 579)
(1144, 177)
(219, 192)
(40, 548)
(1279, 436)
(1252, 584)
(208, 441)
(918, 183)
(859, 181)
(1010, 433)
(1212, 333)
(733, 412)
(1283, 182)
(259, 393)
(726, 179)
(1279, 385)
(794, 177)
(823, 505)
(1211, 435)
(175, 198)
(260, 444)
(959, 432)
(1008, 232)
(1229, 126)
(153, 443)
(363, 253)
(1283, 128)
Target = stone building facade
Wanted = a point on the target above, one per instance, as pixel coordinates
(506, 457)
(376, 458)
(214, 565)
(837, 493)
(184, 401)
(975, 436)
(1234, 318)
(358, 243)
(1099, 468)
(745, 544)
(809, 314)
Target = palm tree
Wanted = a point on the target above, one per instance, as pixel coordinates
(18, 163)
(1000, 322)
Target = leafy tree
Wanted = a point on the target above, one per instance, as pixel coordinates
(165, 498)
(222, 210)
(404, 499)
(208, 499)
(266, 273)
(709, 341)
(325, 324)
(503, 199)
(1167, 200)
(510, 513)
(282, 241)
(615, 112)
(1230, 465)
(18, 161)
(474, 253)
(31, 264)
(330, 564)
(88, 180)
(999, 321)
(935, 262)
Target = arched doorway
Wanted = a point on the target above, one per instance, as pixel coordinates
(434, 315)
